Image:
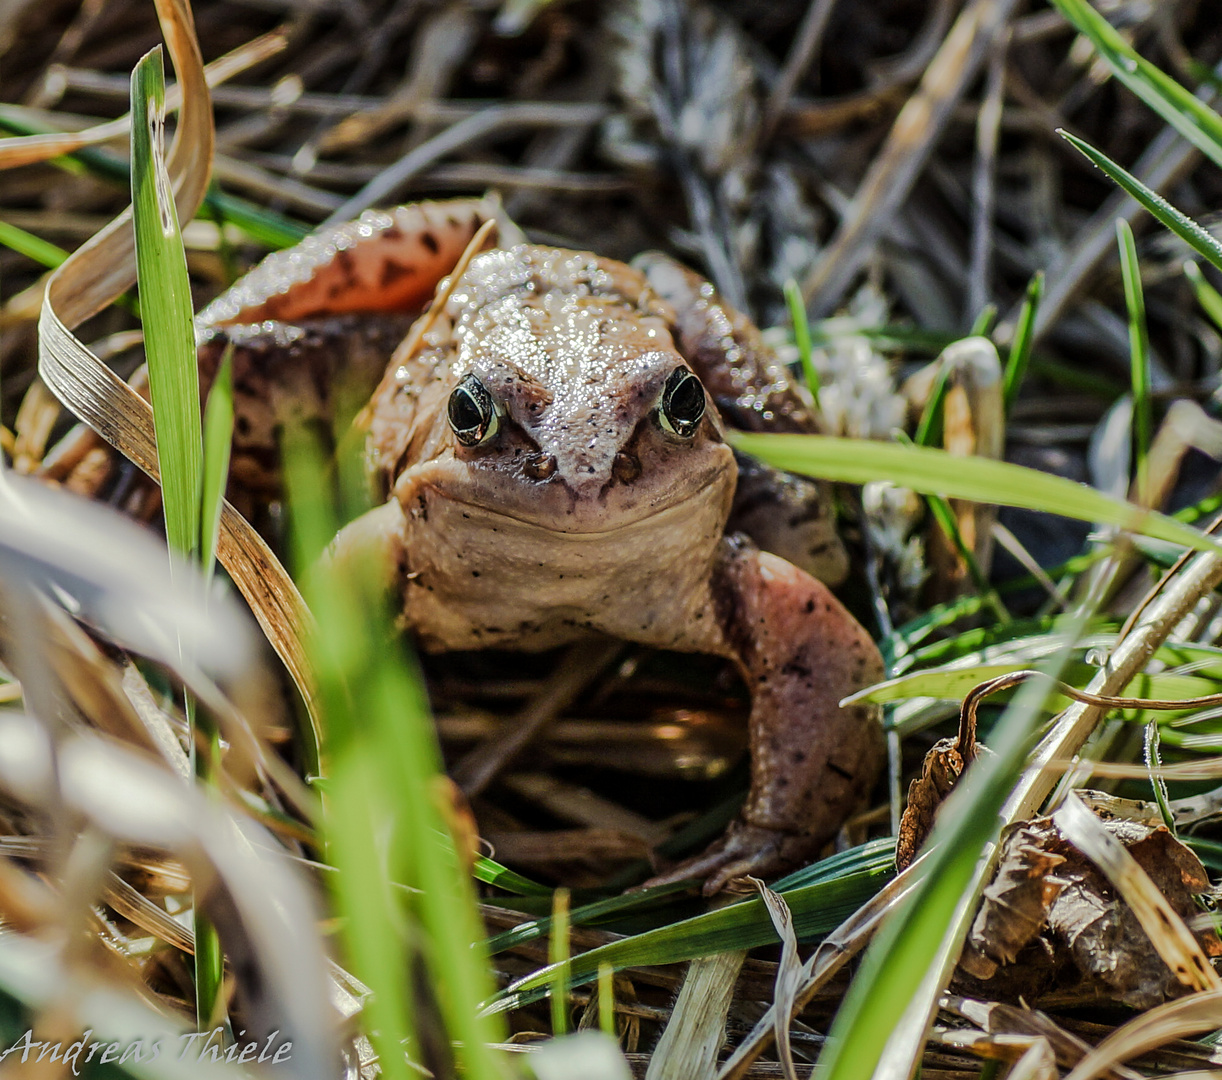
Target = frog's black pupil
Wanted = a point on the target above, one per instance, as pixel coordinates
(683, 402)
(470, 411)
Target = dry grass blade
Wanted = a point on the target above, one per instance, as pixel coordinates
(103, 269)
(999, 1019)
(1174, 1020)
(788, 973)
(895, 169)
(688, 1047)
(1165, 929)
(234, 864)
(28, 149)
(836, 950)
(116, 576)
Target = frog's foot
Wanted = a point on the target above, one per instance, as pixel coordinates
(745, 849)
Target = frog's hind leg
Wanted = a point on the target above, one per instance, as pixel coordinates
(388, 261)
(813, 763)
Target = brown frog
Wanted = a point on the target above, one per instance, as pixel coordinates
(550, 445)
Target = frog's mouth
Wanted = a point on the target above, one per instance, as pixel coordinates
(558, 508)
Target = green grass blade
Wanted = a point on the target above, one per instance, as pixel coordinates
(599, 911)
(911, 938)
(935, 472)
(165, 299)
(1199, 239)
(32, 247)
(1179, 107)
(1139, 356)
(801, 336)
(953, 684)
(1154, 763)
(984, 321)
(259, 224)
(385, 784)
(169, 343)
(929, 428)
(1024, 338)
(606, 1001)
(1207, 296)
(491, 872)
(945, 517)
(838, 886)
(218, 439)
(558, 958)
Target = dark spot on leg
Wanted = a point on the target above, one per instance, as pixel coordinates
(430, 242)
(347, 264)
(840, 772)
(810, 606)
(392, 271)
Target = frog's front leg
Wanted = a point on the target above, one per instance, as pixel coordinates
(812, 762)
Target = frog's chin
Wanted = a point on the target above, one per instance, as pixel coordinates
(557, 507)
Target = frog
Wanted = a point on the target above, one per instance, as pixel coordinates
(548, 446)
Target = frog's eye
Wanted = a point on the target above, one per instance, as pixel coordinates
(682, 404)
(472, 412)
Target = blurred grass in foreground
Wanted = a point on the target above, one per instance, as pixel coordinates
(406, 902)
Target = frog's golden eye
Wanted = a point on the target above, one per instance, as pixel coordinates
(472, 412)
(682, 404)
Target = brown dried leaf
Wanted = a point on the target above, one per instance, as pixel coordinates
(1051, 919)
(1016, 903)
(1145, 895)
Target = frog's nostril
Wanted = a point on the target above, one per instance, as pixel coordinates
(626, 467)
(539, 466)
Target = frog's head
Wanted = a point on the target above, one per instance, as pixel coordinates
(572, 408)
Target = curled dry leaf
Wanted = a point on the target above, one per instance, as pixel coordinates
(789, 973)
(101, 270)
(940, 772)
(1052, 920)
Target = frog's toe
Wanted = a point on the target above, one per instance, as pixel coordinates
(745, 849)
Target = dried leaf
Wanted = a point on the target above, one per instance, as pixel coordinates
(1163, 925)
(1051, 918)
